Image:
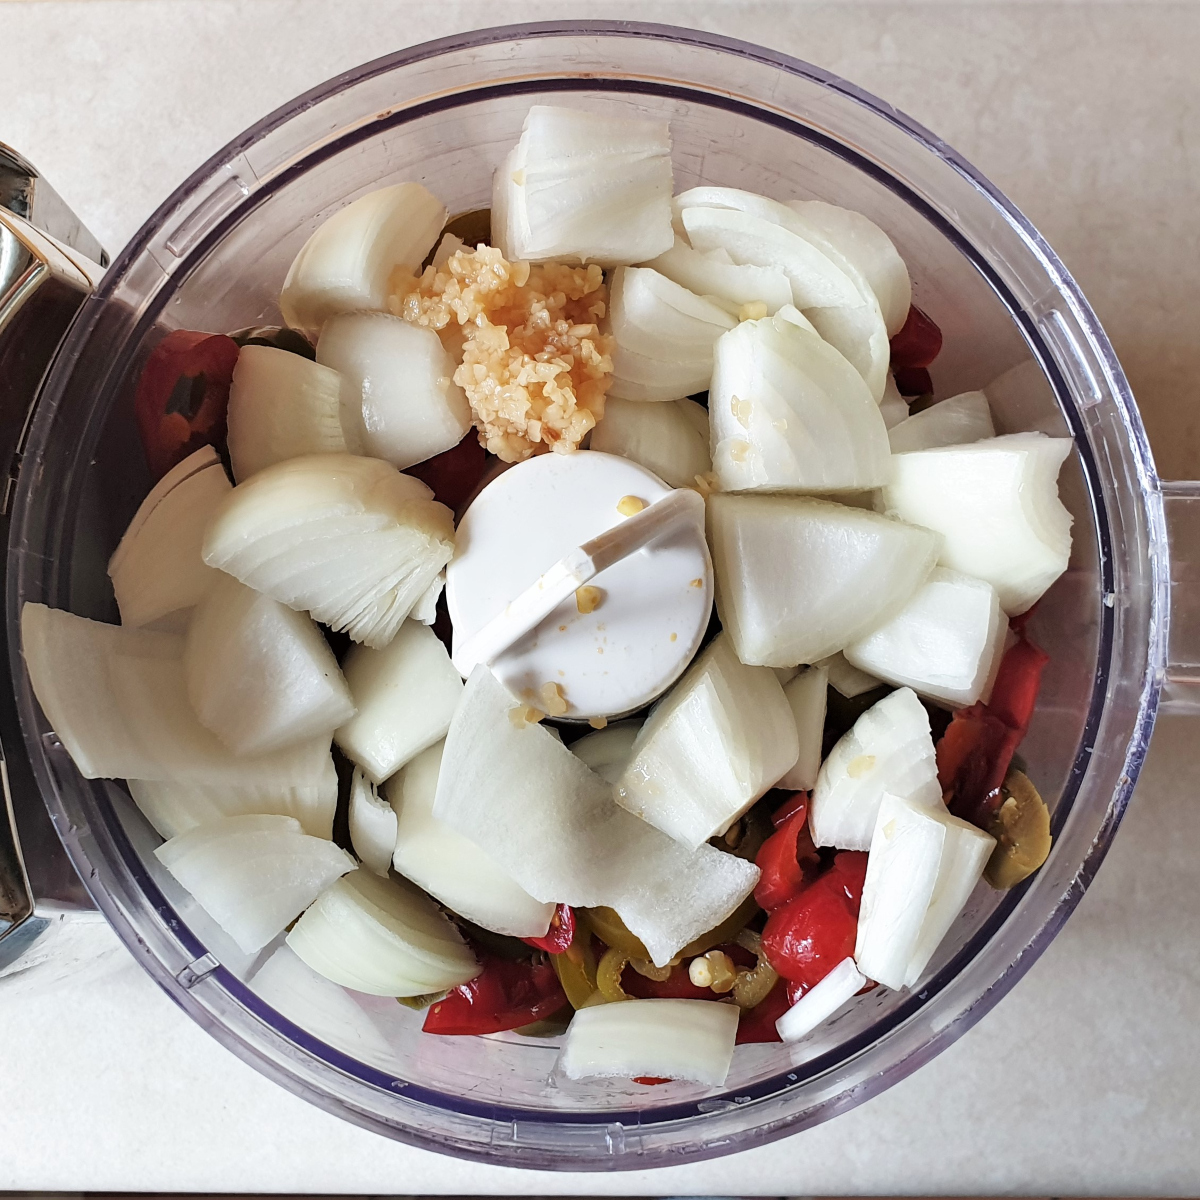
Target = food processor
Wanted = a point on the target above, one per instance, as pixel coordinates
(1119, 625)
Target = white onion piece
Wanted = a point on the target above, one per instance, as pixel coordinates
(399, 399)
(345, 266)
(607, 751)
(452, 868)
(713, 745)
(660, 322)
(860, 241)
(892, 406)
(259, 674)
(845, 678)
(821, 1001)
(117, 698)
(518, 791)
(425, 609)
(157, 569)
(644, 378)
(805, 694)
(945, 643)
(850, 319)
(965, 852)
(728, 284)
(670, 1039)
(382, 937)
(372, 825)
(889, 749)
(321, 1008)
(953, 422)
(789, 413)
(664, 438)
(405, 693)
(846, 571)
(996, 505)
(902, 871)
(582, 185)
(253, 875)
(281, 406)
(174, 808)
(450, 245)
(753, 240)
(348, 539)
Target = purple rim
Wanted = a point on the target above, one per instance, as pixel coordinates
(1120, 390)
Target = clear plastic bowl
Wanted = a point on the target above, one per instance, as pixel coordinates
(214, 257)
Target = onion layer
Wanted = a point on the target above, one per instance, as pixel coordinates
(348, 539)
(582, 185)
(254, 874)
(945, 643)
(789, 413)
(157, 569)
(889, 749)
(382, 937)
(259, 674)
(281, 406)
(953, 422)
(452, 868)
(655, 321)
(399, 401)
(405, 694)
(669, 439)
(719, 739)
(668, 1039)
(805, 694)
(117, 698)
(846, 572)
(923, 864)
(346, 264)
(723, 281)
(821, 1001)
(996, 505)
(515, 789)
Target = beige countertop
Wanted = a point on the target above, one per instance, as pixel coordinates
(1083, 1080)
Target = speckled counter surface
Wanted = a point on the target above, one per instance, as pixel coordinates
(1083, 1080)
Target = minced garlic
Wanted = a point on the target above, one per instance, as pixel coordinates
(588, 598)
(533, 361)
(553, 700)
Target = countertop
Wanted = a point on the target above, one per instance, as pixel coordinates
(1082, 1081)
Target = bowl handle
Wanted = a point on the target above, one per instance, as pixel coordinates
(48, 267)
(1181, 687)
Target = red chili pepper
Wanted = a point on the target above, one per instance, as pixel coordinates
(454, 473)
(788, 857)
(505, 995)
(913, 381)
(757, 1024)
(650, 1080)
(560, 934)
(975, 752)
(918, 342)
(809, 935)
(677, 986)
(183, 395)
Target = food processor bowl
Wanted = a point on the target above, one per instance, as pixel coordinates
(214, 257)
